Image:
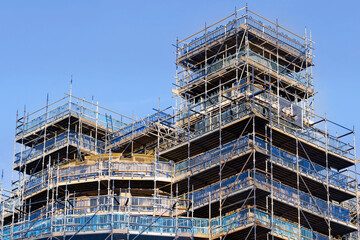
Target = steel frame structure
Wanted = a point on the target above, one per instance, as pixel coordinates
(242, 156)
(247, 79)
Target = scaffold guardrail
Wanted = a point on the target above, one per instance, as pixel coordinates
(140, 127)
(242, 110)
(134, 224)
(214, 32)
(161, 171)
(280, 192)
(240, 146)
(86, 110)
(196, 77)
(82, 141)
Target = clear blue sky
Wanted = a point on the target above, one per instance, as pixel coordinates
(121, 52)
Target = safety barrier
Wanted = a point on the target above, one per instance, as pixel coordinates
(162, 171)
(280, 192)
(139, 127)
(312, 135)
(231, 27)
(237, 147)
(73, 138)
(199, 75)
(113, 203)
(209, 124)
(212, 157)
(161, 226)
(280, 227)
(271, 34)
(100, 119)
(318, 138)
(211, 36)
(313, 170)
(90, 224)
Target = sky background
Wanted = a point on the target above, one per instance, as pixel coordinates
(121, 53)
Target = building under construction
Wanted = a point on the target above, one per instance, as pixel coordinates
(242, 155)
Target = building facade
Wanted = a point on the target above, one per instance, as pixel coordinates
(242, 155)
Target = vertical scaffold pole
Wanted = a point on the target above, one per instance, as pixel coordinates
(356, 188)
(298, 185)
(210, 230)
(327, 177)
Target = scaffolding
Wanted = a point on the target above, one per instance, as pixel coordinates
(242, 155)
